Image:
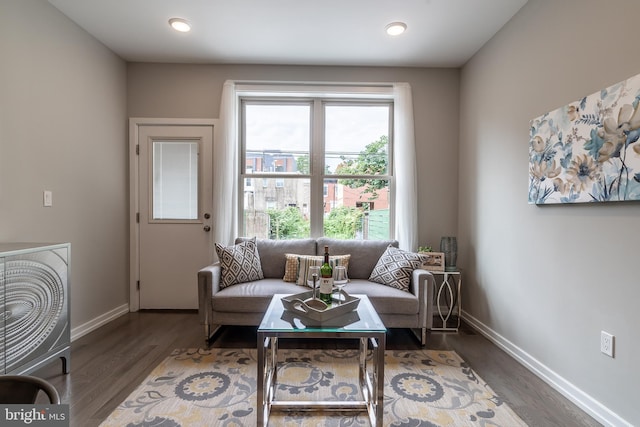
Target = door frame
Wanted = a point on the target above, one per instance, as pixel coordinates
(134, 195)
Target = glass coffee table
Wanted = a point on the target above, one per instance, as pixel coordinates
(362, 323)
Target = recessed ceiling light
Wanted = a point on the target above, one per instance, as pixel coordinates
(396, 28)
(180, 24)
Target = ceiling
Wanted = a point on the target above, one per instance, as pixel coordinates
(440, 33)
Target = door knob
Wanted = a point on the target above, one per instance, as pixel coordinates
(207, 216)
(207, 228)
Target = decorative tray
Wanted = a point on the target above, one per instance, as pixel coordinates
(298, 304)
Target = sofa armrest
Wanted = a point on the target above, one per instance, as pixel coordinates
(423, 285)
(208, 285)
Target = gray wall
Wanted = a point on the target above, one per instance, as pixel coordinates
(63, 128)
(193, 91)
(544, 281)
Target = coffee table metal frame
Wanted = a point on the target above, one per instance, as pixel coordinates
(372, 335)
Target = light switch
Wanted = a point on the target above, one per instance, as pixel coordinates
(47, 198)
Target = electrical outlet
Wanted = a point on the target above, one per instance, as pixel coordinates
(606, 343)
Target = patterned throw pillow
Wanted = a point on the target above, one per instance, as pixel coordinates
(297, 266)
(395, 267)
(239, 263)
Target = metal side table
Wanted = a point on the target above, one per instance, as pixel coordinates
(448, 300)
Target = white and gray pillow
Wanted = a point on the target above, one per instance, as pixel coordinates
(240, 263)
(395, 267)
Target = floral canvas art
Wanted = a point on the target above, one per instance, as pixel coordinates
(588, 151)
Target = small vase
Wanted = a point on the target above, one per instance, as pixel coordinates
(449, 246)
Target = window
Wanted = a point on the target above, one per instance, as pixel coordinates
(175, 180)
(325, 164)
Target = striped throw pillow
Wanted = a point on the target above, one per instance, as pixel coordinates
(297, 266)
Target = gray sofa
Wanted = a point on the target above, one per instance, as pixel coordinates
(246, 303)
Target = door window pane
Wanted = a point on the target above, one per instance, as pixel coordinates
(175, 180)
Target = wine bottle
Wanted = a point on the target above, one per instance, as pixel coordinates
(326, 278)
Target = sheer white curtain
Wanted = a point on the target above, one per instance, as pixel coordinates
(225, 169)
(225, 187)
(404, 161)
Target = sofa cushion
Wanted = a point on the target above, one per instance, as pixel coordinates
(385, 299)
(251, 297)
(395, 267)
(272, 253)
(297, 266)
(364, 253)
(239, 263)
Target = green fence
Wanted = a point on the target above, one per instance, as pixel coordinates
(378, 225)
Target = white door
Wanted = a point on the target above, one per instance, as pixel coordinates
(175, 202)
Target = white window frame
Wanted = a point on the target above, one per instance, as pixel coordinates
(303, 94)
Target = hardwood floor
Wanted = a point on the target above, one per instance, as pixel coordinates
(109, 363)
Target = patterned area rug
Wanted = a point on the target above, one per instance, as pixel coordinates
(217, 387)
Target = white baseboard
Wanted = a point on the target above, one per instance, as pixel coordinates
(101, 320)
(585, 402)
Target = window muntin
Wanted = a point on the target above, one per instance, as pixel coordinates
(336, 157)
